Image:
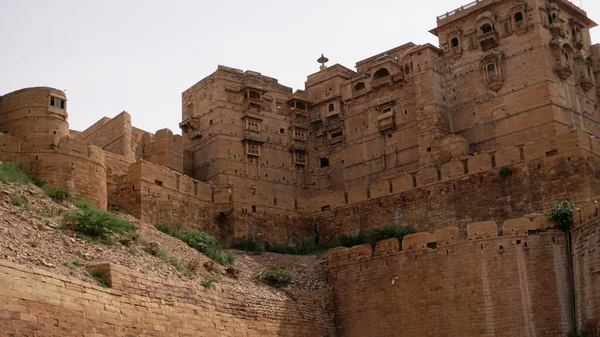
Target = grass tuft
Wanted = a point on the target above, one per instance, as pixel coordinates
(97, 224)
(201, 241)
(277, 278)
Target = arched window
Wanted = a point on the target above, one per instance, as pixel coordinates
(359, 86)
(486, 28)
(331, 107)
(383, 72)
(518, 17)
(589, 71)
(491, 68)
(567, 59)
(553, 18)
(454, 43)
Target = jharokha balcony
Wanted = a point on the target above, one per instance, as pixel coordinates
(488, 40)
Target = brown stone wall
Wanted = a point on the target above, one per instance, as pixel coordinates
(155, 194)
(586, 267)
(112, 135)
(468, 190)
(36, 303)
(514, 285)
(28, 115)
(164, 149)
(275, 218)
(71, 164)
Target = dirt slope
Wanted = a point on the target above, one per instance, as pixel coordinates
(32, 233)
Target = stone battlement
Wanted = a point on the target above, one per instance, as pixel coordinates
(570, 145)
(445, 238)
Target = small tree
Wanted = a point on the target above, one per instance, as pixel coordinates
(562, 214)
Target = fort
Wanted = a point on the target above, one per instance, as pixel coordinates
(468, 141)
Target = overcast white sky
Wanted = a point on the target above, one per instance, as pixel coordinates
(139, 56)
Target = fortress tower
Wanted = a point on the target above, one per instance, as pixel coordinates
(517, 70)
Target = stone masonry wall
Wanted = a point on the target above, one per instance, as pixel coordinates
(36, 303)
(512, 285)
(468, 190)
(586, 267)
(112, 135)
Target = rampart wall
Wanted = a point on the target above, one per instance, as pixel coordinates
(155, 193)
(515, 284)
(164, 148)
(468, 189)
(585, 238)
(70, 164)
(29, 115)
(112, 135)
(37, 303)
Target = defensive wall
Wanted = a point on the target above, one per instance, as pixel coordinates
(585, 240)
(34, 129)
(37, 303)
(512, 280)
(468, 189)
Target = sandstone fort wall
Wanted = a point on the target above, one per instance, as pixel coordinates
(38, 303)
(487, 285)
(468, 189)
(586, 266)
(112, 135)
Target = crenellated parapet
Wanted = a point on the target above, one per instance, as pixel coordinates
(511, 233)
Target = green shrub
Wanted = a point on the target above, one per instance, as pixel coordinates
(19, 201)
(169, 228)
(208, 283)
(308, 245)
(277, 278)
(505, 172)
(198, 240)
(15, 173)
(348, 241)
(99, 276)
(57, 194)
(388, 232)
(98, 224)
(303, 246)
(562, 214)
(249, 244)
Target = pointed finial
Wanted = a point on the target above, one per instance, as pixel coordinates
(322, 60)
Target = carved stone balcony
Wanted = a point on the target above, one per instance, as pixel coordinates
(556, 29)
(386, 80)
(299, 112)
(586, 83)
(253, 136)
(298, 146)
(386, 125)
(495, 83)
(577, 42)
(455, 52)
(336, 140)
(488, 40)
(563, 72)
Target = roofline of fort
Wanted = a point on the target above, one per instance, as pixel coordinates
(476, 5)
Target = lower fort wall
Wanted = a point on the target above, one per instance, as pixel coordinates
(488, 285)
(70, 165)
(586, 267)
(154, 193)
(36, 303)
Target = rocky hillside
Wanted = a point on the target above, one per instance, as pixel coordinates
(35, 231)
